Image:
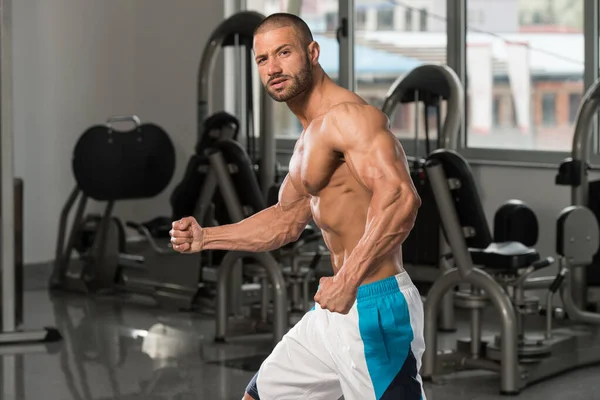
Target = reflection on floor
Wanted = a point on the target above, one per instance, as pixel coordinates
(116, 350)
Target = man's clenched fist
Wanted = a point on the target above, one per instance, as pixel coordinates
(187, 235)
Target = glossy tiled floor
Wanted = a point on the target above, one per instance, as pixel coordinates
(134, 351)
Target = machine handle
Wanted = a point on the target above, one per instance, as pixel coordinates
(557, 282)
(123, 118)
(542, 263)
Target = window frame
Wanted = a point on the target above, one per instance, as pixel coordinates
(423, 19)
(543, 159)
(408, 19)
(573, 110)
(456, 10)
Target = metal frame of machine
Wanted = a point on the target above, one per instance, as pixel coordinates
(431, 84)
(521, 357)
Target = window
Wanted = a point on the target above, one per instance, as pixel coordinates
(475, 17)
(331, 21)
(423, 20)
(321, 16)
(382, 56)
(496, 111)
(548, 109)
(385, 19)
(408, 19)
(574, 100)
(361, 20)
(532, 52)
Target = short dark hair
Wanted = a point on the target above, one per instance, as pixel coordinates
(281, 20)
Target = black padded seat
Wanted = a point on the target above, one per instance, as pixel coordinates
(502, 256)
(505, 256)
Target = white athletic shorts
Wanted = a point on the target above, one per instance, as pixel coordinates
(373, 352)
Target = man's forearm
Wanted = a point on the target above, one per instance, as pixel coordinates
(266, 230)
(388, 226)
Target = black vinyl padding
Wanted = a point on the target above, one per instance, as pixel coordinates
(211, 130)
(428, 81)
(245, 179)
(505, 256)
(466, 197)
(500, 256)
(185, 196)
(186, 193)
(109, 164)
(422, 246)
(515, 221)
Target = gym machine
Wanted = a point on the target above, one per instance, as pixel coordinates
(113, 165)
(495, 270)
(424, 251)
(237, 31)
(227, 170)
(574, 172)
(234, 32)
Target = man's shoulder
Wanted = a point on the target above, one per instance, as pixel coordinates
(356, 112)
(353, 124)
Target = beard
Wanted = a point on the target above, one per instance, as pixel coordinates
(295, 84)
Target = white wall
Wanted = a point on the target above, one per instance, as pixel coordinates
(168, 44)
(76, 63)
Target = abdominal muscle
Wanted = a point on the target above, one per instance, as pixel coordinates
(341, 214)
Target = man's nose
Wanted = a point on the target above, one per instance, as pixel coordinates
(274, 68)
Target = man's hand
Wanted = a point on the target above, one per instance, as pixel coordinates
(336, 295)
(187, 235)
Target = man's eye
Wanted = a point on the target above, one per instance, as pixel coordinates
(284, 52)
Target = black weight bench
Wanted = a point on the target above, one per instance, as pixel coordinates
(503, 256)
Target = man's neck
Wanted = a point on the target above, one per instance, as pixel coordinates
(309, 105)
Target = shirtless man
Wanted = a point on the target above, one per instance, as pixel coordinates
(363, 339)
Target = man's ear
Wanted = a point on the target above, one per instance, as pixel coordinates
(314, 51)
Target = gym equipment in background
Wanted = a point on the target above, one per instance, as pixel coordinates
(495, 271)
(574, 172)
(185, 196)
(237, 31)
(234, 32)
(231, 172)
(424, 251)
(110, 165)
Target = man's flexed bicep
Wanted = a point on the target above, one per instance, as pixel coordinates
(373, 154)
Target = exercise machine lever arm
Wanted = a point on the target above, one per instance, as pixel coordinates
(554, 286)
